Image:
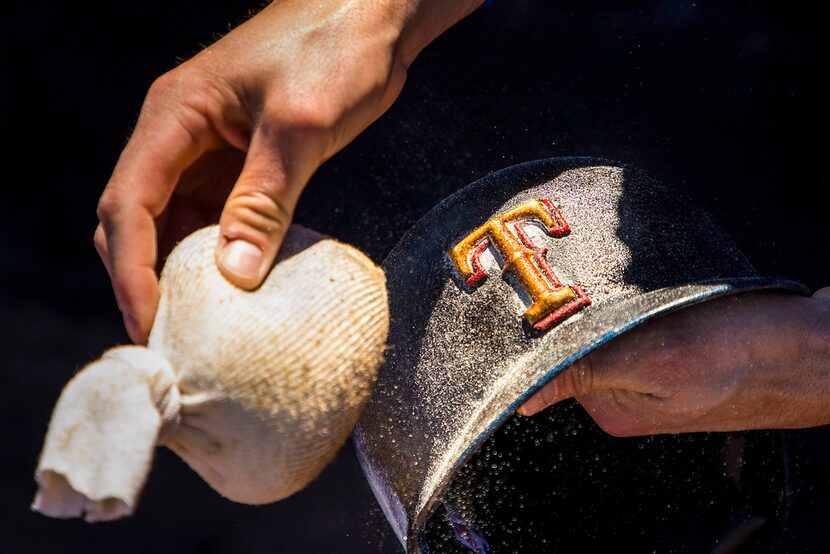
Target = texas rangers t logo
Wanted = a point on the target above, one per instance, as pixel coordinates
(552, 300)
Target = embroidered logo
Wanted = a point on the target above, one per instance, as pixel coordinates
(526, 261)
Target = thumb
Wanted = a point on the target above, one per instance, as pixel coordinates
(577, 380)
(256, 215)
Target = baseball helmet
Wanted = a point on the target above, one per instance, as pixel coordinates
(502, 286)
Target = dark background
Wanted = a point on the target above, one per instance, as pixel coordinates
(720, 98)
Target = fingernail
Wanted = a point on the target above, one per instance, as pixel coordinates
(241, 259)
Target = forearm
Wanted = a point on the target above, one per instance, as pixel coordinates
(407, 25)
(422, 21)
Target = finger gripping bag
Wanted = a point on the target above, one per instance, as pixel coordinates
(256, 391)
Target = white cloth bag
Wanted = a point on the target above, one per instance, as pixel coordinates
(256, 391)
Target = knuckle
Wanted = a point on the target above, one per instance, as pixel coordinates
(614, 425)
(263, 213)
(308, 114)
(162, 88)
(581, 377)
(163, 84)
(306, 128)
(107, 207)
(547, 394)
(207, 95)
(613, 414)
(675, 351)
(615, 428)
(190, 95)
(672, 339)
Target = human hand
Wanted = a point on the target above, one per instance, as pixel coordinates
(249, 119)
(750, 361)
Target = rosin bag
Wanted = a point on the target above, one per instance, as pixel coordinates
(256, 391)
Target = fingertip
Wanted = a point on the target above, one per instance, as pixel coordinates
(553, 391)
(138, 320)
(137, 295)
(133, 329)
(525, 411)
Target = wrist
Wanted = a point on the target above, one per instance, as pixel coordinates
(422, 21)
(816, 358)
(803, 386)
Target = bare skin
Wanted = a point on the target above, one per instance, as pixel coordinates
(749, 361)
(234, 134)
